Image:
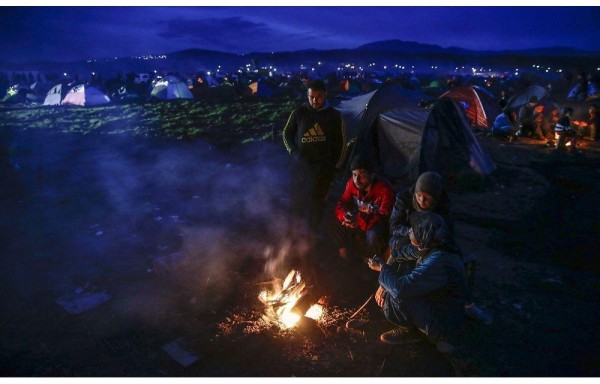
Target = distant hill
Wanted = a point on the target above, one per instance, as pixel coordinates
(414, 47)
(409, 47)
(389, 53)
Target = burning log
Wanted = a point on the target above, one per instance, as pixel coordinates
(288, 304)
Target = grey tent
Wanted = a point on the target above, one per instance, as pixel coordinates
(522, 98)
(170, 88)
(405, 140)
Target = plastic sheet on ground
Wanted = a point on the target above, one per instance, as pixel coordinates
(80, 302)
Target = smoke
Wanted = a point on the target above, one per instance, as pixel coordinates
(156, 224)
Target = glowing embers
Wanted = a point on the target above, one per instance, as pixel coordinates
(281, 302)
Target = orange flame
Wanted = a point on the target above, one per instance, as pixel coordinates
(280, 302)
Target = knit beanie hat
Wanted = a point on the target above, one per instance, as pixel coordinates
(360, 162)
(430, 183)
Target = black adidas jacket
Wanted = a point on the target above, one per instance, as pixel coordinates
(315, 135)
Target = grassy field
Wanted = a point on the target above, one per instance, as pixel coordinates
(237, 121)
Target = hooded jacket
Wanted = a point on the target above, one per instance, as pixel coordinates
(405, 205)
(380, 197)
(437, 283)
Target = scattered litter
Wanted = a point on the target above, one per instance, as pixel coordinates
(99, 233)
(179, 351)
(79, 302)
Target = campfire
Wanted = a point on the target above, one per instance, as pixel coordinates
(281, 302)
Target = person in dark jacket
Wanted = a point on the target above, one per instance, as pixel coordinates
(429, 195)
(314, 136)
(590, 124)
(362, 211)
(429, 295)
(566, 133)
(527, 119)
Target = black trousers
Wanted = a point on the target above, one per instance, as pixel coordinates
(366, 244)
(310, 188)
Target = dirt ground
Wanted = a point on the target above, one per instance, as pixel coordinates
(178, 236)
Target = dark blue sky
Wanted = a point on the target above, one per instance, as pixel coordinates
(70, 33)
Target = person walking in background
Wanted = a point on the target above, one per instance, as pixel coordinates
(314, 136)
(429, 195)
(362, 212)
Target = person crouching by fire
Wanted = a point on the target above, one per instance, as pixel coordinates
(362, 212)
(424, 290)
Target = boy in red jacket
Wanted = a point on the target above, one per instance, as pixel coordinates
(363, 211)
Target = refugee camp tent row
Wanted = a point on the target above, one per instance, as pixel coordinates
(405, 140)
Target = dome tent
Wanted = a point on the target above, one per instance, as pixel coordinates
(170, 88)
(55, 95)
(404, 140)
(85, 96)
(478, 103)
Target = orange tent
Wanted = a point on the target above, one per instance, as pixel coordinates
(478, 104)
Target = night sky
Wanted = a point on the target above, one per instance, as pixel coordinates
(72, 32)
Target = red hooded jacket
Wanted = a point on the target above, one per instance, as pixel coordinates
(380, 197)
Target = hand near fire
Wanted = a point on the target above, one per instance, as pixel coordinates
(375, 263)
(349, 220)
(380, 296)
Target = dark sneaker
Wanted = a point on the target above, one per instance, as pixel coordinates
(478, 314)
(401, 336)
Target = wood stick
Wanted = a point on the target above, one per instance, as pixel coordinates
(361, 308)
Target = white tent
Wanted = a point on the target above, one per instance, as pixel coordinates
(54, 95)
(85, 95)
(170, 88)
